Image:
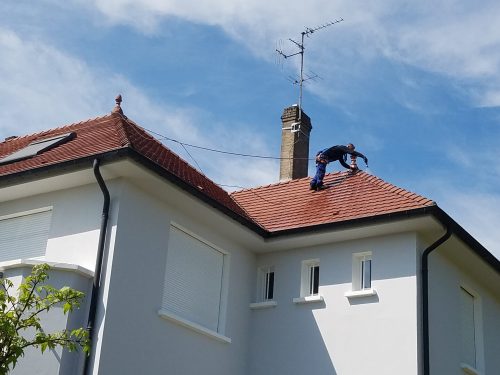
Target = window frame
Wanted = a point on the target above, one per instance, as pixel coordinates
(262, 293)
(266, 283)
(359, 286)
(477, 367)
(310, 290)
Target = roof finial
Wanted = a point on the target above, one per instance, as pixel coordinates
(118, 108)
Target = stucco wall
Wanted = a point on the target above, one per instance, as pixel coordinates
(73, 238)
(75, 221)
(134, 336)
(452, 266)
(368, 335)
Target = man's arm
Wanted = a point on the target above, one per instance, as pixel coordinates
(341, 160)
(360, 155)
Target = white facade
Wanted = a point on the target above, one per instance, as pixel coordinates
(336, 331)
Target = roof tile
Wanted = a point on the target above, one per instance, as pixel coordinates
(347, 197)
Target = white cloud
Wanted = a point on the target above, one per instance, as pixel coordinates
(454, 38)
(44, 88)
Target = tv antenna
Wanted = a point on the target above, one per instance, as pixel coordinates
(300, 81)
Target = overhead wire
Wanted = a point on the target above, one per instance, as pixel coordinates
(183, 144)
(201, 171)
(222, 151)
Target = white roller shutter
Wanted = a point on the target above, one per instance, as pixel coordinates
(193, 280)
(24, 236)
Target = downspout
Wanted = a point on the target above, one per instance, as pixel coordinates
(425, 296)
(98, 264)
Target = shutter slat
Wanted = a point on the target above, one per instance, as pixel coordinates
(24, 236)
(193, 280)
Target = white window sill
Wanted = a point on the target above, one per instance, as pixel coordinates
(193, 326)
(308, 299)
(360, 293)
(263, 305)
(469, 370)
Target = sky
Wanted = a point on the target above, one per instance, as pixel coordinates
(415, 85)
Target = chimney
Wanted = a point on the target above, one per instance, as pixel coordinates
(294, 143)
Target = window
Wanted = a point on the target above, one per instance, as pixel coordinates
(471, 333)
(195, 282)
(362, 271)
(37, 147)
(309, 282)
(24, 235)
(266, 284)
(265, 288)
(361, 276)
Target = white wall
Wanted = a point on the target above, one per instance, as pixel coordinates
(369, 335)
(134, 337)
(73, 239)
(75, 222)
(451, 266)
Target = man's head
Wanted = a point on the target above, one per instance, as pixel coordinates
(350, 146)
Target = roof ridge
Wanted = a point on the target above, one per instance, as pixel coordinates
(396, 189)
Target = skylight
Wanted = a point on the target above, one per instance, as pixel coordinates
(37, 147)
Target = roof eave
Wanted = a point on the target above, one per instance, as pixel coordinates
(433, 210)
(467, 238)
(357, 222)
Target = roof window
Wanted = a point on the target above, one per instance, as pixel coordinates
(37, 147)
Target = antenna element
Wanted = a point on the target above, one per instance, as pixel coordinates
(307, 32)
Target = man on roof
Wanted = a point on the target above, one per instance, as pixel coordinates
(330, 154)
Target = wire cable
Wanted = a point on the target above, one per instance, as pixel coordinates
(221, 151)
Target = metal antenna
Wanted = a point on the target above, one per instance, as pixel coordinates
(307, 32)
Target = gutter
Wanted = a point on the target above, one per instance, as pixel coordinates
(425, 295)
(98, 265)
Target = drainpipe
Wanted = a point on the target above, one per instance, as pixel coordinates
(425, 295)
(98, 264)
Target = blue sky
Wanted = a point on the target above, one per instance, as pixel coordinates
(414, 85)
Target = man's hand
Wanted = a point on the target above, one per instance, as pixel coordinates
(319, 159)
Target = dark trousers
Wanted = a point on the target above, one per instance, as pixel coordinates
(320, 173)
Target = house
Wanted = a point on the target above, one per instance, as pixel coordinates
(361, 278)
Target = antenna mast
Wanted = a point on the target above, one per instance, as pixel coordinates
(307, 32)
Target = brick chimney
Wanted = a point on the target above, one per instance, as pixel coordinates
(294, 143)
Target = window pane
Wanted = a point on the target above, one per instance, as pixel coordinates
(314, 280)
(270, 286)
(366, 274)
(37, 147)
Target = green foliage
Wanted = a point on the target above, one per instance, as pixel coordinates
(20, 312)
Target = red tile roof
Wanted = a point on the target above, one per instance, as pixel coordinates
(291, 204)
(275, 207)
(109, 133)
